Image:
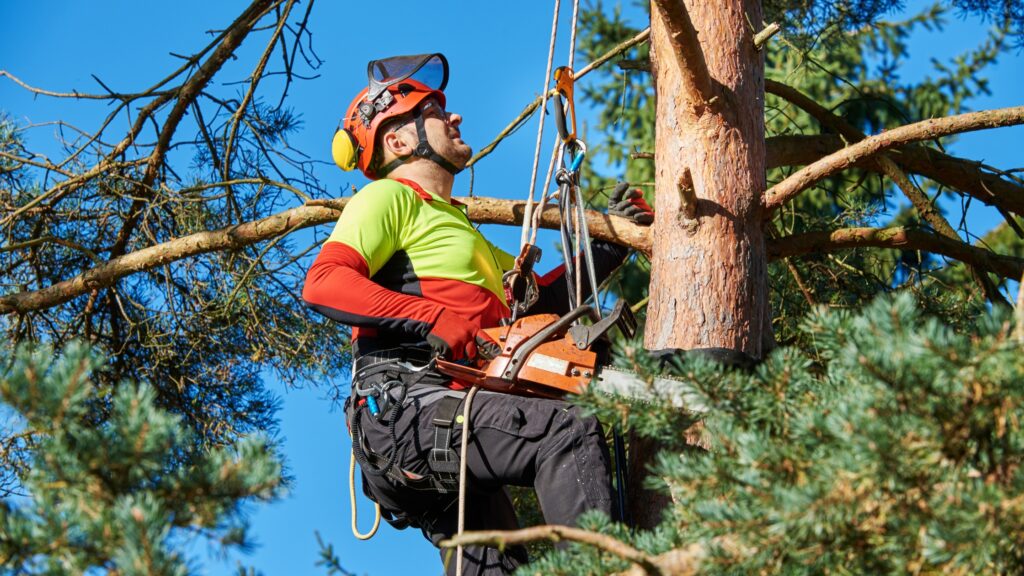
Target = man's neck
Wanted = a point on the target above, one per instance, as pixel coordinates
(428, 175)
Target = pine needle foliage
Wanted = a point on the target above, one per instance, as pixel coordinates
(892, 445)
(116, 495)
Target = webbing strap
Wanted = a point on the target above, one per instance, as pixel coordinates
(444, 461)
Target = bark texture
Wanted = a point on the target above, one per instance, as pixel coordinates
(709, 272)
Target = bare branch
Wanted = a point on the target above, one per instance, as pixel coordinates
(237, 32)
(689, 56)
(257, 75)
(75, 93)
(896, 237)
(885, 164)
(928, 129)
(556, 534)
(762, 37)
(532, 106)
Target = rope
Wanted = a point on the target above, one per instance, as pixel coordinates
(572, 34)
(352, 499)
(462, 475)
(556, 158)
(540, 127)
(531, 221)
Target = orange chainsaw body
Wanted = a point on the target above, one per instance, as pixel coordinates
(542, 355)
(554, 368)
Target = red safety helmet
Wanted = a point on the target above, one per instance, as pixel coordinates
(397, 87)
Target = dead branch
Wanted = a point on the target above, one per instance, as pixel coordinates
(689, 56)
(762, 37)
(677, 562)
(556, 534)
(254, 81)
(237, 32)
(926, 130)
(532, 106)
(74, 93)
(897, 237)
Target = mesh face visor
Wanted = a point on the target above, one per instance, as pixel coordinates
(428, 69)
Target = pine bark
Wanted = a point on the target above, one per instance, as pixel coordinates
(709, 265)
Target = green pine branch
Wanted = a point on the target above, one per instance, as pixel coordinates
(109, 490)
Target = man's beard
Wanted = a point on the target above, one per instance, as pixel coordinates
(458, 154)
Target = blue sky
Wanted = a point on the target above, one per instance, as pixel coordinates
(497, 51)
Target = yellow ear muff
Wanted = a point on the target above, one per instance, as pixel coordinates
(344, 150)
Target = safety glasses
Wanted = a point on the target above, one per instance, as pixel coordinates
(430, 108)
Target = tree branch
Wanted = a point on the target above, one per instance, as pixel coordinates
(689, 56)
(480, 210)
(885, 164)
(484, 211)
(254, 81)
(237, 32)
(532, 106)
(896, 237)
(928, 129)
(957, 173)
(556, 534)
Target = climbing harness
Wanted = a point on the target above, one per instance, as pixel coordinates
(382, 390)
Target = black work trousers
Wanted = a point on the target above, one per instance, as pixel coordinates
(514, 440)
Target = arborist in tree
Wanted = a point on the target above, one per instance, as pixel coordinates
(407, 270)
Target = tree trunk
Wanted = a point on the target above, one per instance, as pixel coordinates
(709, 266)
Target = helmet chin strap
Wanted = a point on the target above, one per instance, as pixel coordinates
(423, 150)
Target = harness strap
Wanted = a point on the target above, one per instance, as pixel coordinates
(443, 461)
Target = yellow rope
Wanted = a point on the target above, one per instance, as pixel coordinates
(352, 500)
(462, 475)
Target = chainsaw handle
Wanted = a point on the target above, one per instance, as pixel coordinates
(557, 327)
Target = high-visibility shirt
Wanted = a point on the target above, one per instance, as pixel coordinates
(399, 255)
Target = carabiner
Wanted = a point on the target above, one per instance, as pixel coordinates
(564, 80)
(577, 150)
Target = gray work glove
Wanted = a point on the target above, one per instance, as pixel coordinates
(630, 204)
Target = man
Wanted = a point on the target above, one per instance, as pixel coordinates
(415, 280)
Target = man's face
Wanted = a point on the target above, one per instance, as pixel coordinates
(442, 132)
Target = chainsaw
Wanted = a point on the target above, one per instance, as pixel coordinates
(549, 356)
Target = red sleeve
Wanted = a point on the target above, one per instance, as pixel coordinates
(338, 286)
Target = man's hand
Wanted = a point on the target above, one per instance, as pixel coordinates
(455, 339)
(630, 204)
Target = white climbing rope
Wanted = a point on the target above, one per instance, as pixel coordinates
(528, 214)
